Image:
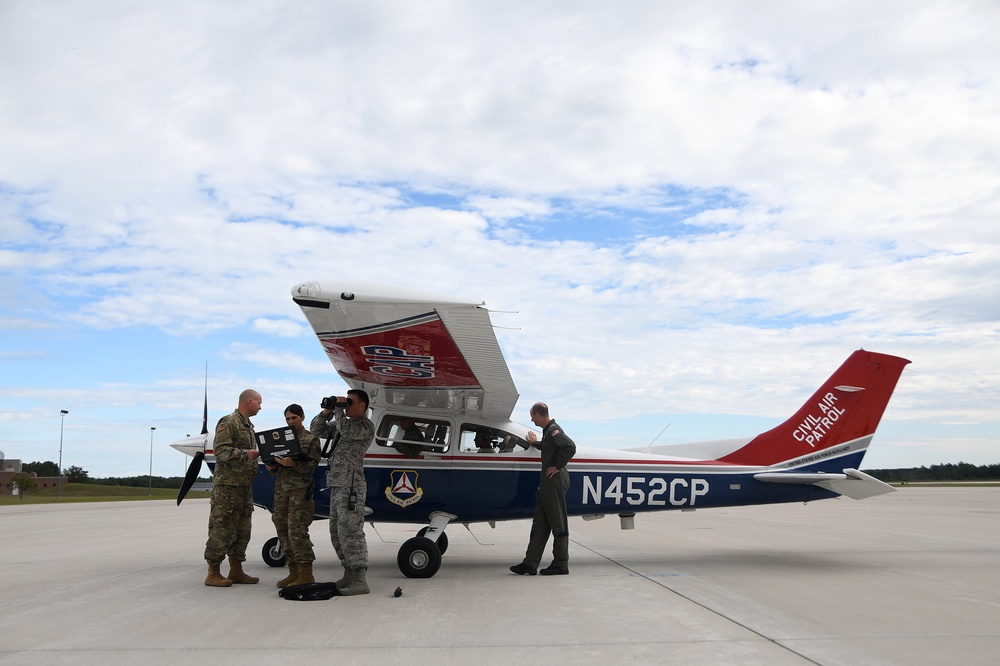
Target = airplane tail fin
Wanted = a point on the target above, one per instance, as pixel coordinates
(837, 422)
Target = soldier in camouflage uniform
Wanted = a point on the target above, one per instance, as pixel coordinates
(232, 496)
(550, 510)
(293, 501)
(346, 478)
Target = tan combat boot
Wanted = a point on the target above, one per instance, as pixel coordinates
(345, 579)
(215, 579)
(236, 573)
(356, 583)
(305, 574)
(293, 573)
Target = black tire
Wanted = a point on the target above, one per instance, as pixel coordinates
(442, 542)
(418, 557)
(272, 553)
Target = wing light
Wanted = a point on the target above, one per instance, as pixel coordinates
(310, 289)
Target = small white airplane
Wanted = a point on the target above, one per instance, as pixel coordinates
(437, 379)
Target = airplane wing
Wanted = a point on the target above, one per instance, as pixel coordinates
(408, 348)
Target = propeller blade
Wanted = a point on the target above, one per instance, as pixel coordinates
(204, 420)
(194, 469)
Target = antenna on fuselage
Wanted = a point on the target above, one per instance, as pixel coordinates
(650, 445)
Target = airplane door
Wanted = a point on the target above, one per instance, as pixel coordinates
(481, 475)
(408, 468)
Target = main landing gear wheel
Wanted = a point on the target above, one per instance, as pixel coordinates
(442, 542)
(419, 557)
(272, 553)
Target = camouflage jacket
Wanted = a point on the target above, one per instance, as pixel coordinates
(299, 475)
(234, 436)
(347, 464)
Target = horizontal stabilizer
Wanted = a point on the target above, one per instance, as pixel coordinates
(852, 483)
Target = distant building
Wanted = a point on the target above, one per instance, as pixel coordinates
(11, 467)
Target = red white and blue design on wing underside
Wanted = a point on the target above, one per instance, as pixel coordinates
(415, 352)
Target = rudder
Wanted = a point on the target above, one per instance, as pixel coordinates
(847, 408)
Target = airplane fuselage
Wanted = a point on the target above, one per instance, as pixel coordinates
(482, 487)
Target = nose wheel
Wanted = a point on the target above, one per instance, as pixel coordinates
(272, 553)
(419, 557)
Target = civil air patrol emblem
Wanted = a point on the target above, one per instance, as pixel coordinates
(404, 489)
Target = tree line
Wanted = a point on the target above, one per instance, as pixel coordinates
(944, 472)
(76, 474)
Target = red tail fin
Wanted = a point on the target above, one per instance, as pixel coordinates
(847, 408)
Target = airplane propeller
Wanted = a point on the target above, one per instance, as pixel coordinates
(194, 469)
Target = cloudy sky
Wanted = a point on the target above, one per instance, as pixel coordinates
(683, 213)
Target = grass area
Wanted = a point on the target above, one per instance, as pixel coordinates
(89, 492)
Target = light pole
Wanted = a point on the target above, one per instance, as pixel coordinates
(62, 421)
(151, 460)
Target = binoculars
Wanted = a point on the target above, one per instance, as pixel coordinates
(331, 402)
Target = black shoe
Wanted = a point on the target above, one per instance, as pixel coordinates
(522, 568)
(554, 570)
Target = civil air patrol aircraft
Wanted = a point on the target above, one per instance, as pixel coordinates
(446, 451)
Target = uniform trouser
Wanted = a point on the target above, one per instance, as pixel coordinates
(550, 517)
(293, 514)
(229, 523)
(347, 527)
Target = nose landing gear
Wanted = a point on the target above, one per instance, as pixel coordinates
(420, 557)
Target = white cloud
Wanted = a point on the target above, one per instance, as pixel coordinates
(281, 328)
(272, 358)
(706, 206)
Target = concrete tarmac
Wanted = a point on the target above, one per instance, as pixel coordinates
(907, 578)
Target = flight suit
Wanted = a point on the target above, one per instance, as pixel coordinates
(550, 509)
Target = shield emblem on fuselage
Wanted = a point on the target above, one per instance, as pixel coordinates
(404, 487)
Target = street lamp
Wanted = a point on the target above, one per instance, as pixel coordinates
(62, 421)
(151, 460)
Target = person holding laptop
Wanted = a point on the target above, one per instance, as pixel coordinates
(293, 500)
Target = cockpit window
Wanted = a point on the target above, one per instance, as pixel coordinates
(411, 435)
(482, 439)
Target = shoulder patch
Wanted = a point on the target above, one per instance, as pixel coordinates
(557, 431)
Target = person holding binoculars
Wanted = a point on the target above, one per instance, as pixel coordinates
(344, 422)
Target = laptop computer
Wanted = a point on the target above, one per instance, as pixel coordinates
(279, 442)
